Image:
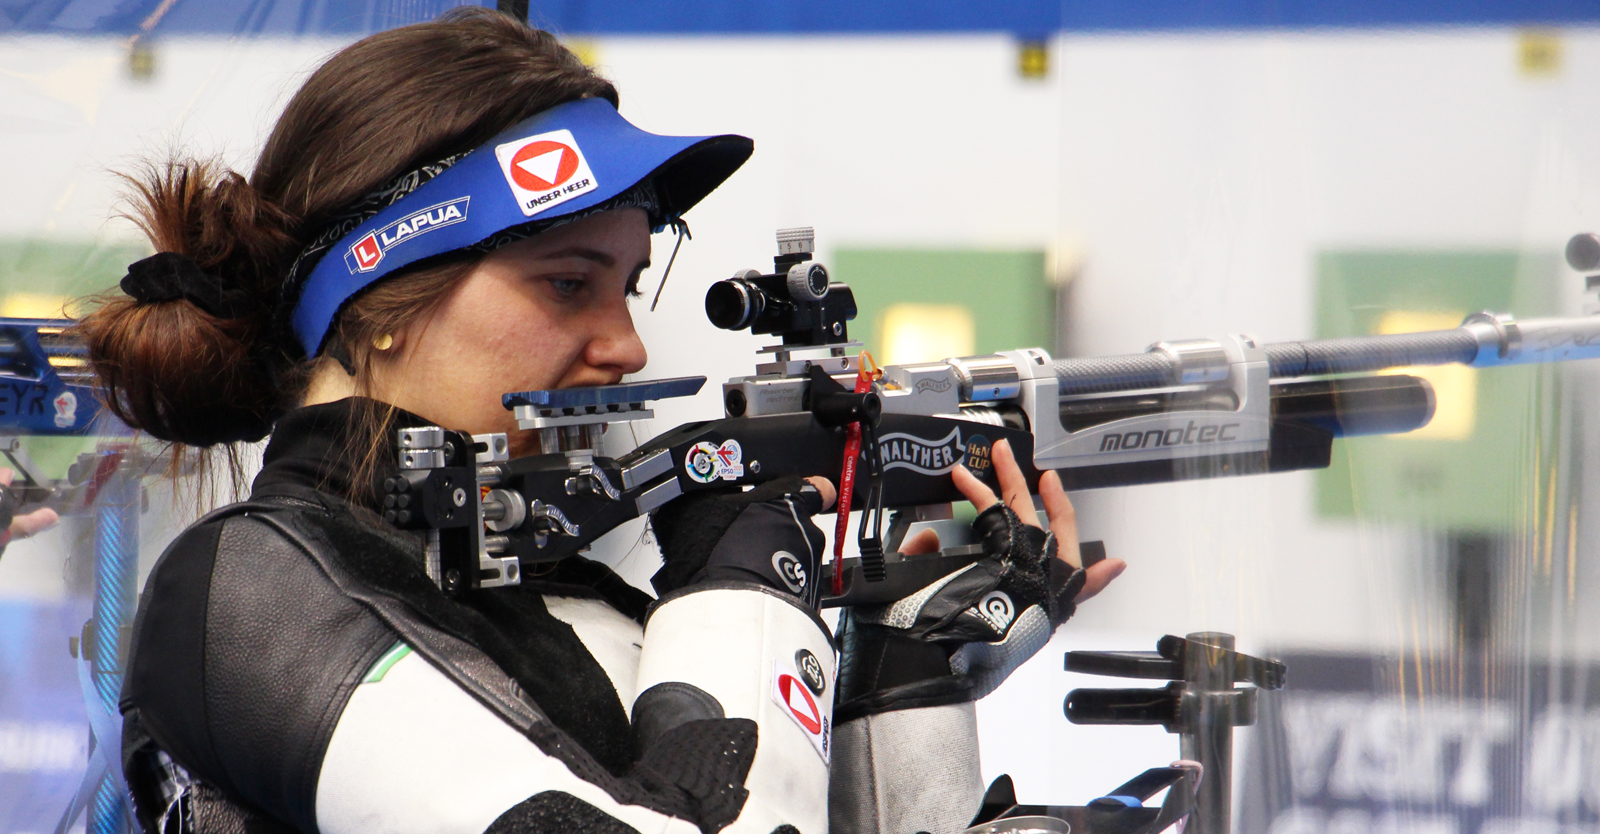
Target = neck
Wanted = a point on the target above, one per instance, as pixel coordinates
(344, 448)
(329, 383)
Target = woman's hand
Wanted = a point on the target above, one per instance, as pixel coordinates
(1057, 507)
(25, 525)
(962, 636)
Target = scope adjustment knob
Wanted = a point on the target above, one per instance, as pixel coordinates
(808, 281)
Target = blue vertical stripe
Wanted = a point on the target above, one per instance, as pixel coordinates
(116, 575)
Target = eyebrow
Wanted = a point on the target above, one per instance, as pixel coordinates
(595, 255)
(584, 252)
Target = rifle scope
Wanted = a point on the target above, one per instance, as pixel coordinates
(795, 301)
(769, 303)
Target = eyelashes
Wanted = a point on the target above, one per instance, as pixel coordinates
(566, 288)
(570, 286)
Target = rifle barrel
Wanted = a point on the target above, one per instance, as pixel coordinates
(1484, 340)
(1363, 354)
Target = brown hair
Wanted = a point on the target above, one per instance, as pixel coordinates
(381, 107)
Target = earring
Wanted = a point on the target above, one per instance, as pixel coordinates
(383, 342)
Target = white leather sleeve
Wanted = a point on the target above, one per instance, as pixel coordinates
(415, 754)
(612, 637)
(748, 648)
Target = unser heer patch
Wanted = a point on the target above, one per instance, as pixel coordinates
(812, 714)
(544, 171)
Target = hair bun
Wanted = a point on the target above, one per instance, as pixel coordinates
(179, 373)
(221, 366)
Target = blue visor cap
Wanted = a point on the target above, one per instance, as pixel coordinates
(563, 161)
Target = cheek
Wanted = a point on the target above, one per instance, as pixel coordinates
(510, 339)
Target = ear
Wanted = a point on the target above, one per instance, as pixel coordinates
(389, 347)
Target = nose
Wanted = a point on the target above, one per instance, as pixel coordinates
(616, 347)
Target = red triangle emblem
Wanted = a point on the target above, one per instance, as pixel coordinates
(800, 703)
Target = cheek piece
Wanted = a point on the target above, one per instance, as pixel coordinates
(568, 162)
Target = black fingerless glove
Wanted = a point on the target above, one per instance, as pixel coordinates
(960, 637)
(1035, 574)
(764, 536)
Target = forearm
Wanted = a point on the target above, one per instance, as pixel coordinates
(906, 771)
(413, 752)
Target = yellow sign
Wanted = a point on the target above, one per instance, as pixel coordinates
(587, 50)
(1539, 52)
(1455, 387)
(1033, 59)
(34, 305)
(927, 333)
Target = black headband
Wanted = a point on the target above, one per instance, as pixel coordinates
(169, 276)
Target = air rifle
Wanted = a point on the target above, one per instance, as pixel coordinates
(1181, 410)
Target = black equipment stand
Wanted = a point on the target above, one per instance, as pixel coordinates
(1200, 704)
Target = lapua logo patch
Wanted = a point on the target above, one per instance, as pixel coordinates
(545, 170)
(365, 254)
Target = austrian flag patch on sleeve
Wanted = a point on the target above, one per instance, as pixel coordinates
(812, 714)
(545, 170)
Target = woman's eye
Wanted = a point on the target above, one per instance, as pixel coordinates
(566, 287)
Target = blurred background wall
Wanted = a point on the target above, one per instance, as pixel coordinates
(1090, 178)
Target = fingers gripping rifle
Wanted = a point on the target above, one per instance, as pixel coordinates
(1181, 410)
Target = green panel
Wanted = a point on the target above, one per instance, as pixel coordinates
(66, 268)
(1012, 304)
(69, 270)
(1441, 482)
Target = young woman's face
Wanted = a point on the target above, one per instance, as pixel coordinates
(550, 311)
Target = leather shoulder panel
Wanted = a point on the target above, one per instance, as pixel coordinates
(243, 657)
(284, 648)
(167, 653)
(258, 623)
